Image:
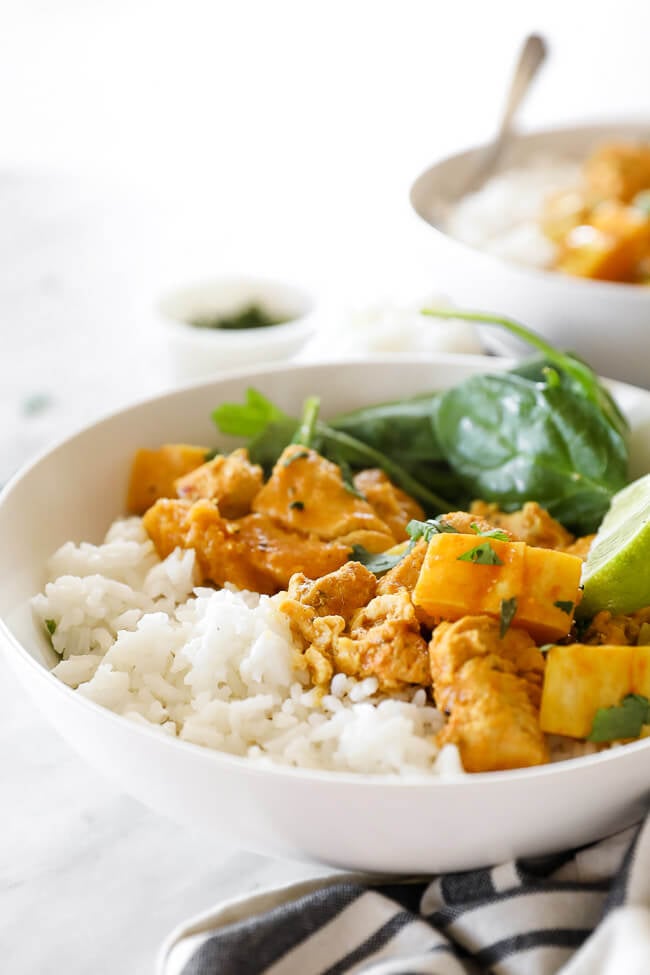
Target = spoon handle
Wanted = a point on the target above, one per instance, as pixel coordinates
(531, 58)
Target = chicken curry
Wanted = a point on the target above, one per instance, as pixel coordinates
(476, 607)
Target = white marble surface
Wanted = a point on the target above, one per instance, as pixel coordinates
(90, 881)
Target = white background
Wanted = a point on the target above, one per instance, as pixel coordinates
(143, 144)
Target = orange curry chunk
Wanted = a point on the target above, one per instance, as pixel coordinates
(154, 472)
(381, 639)
(390, 503)
(232, 481)
(490, 686)
(306, 493)
(251, 553)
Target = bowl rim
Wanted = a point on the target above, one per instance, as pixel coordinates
(545, 276)
(13, 648)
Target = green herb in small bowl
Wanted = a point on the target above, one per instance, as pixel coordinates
(250, 316)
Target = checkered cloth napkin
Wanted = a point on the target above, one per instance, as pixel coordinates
(586, 912)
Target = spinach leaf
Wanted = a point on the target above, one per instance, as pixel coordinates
(578, 376)
(380, 562)
(624, 720)
(404, 430)
(510, 440)
(305, 433)
(266, 447)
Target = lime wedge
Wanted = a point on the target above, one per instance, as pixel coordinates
(616, 575)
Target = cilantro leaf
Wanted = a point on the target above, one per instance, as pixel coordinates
(496, 533)
(508, 612)
(50, 625)
(624, 720)
(378, 562)
(565, 605)
(427, 529)
(483, 554)
(248, 419)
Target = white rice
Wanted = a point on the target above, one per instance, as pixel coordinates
(502, 217)
(219, 668)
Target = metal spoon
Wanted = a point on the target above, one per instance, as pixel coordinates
(531, 58)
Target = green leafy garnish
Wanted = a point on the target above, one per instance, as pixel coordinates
(496, 533)
(483, 554)
(251, 316)
(297, 505)
(50, 626)
(507, 614)
(555, 436)
(379, 563)
(427, 529)
(545, 647)
(249, 419)
(624, 720)
(565, 605)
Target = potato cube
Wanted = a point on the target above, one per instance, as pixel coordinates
(579, 679)
(451, 587)
(551, 588)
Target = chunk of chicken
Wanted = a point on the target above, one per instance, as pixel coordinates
(306, 493)
(580, 546)
(392, 505)
(471, 522)
(251, 553)
(154, 473)
(232, 481)
(531, 524)
(381, 639)
(491, 688)
(404, 576)
(385, 642)
(339, 593)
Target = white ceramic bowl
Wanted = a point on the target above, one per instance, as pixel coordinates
(196, 353)
(608, 324)
(350, 820)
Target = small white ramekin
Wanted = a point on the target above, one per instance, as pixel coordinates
(195, 353)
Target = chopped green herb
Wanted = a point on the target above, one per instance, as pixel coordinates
(252, 316)
(297, 505)
(545, 647)
(299, 455)
(492, 533)
(36, 403)
(427, 529)
(51, 626)
(249, 419)
(624, 720)
(508, 612)
(565, 605)
(211, 454)
(379, 563)
(483, 554)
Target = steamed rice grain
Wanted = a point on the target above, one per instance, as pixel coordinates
(218, 668)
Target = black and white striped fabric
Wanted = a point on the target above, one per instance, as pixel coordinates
(581, 913)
